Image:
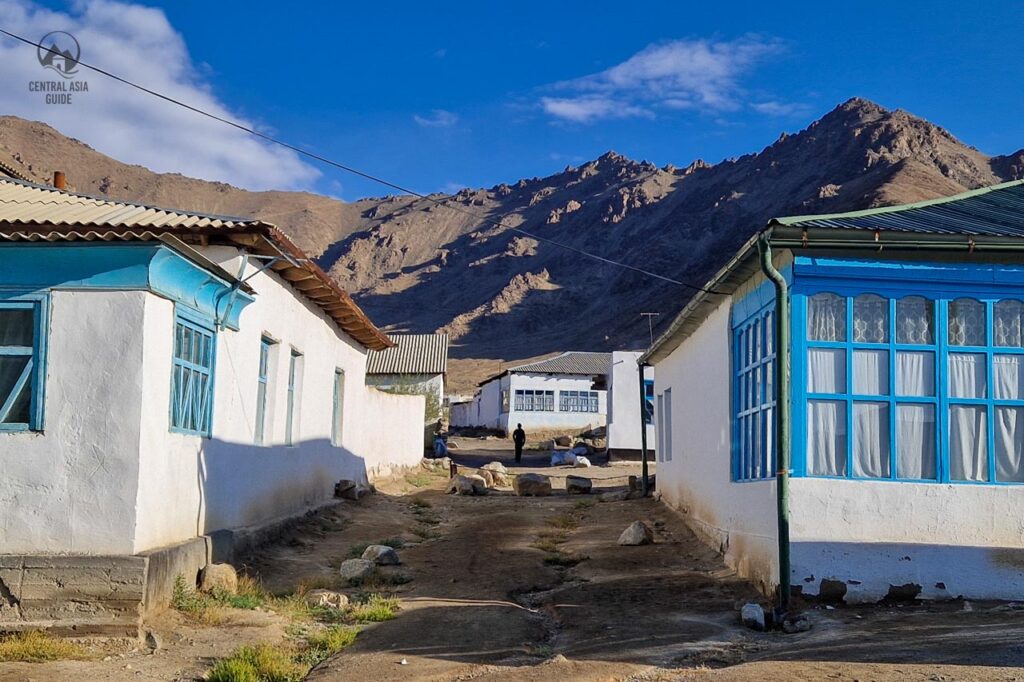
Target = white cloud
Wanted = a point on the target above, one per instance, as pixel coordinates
(773, 108)
(680, 75)
(139, 44)
(438, 118)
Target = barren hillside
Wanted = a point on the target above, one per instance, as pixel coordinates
(420, 267)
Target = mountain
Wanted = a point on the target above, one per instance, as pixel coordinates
(418, 265)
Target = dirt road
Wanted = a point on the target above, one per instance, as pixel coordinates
(508, 588)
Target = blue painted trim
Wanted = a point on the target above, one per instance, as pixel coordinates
(189, 319)
(123, 267)
(39, 303)
(939, 282)
(748, 305)
(752, 454)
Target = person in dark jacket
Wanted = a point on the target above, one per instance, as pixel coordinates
(519, 440)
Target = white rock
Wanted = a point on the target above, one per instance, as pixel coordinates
(531, 485)
(382, 555)
(495, 466)
(357, 570)
(467, 485)
(582, 462)
(638, 533)
(218, 578)
(578, 485)
(752, 616)
(326, 598)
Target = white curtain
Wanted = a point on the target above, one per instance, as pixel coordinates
(915, 320)
(870, 319)
(1006, 325)
(1008, 376)
(826, 318)
(1009, 444)
(915, 441)
(967, 375)
(826, 370)
(968, 443)
(915, 373)
(966, 322)
(871, 439)
(871, 372)
(826, 437)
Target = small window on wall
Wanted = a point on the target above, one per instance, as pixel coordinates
(262, 381)
(192, 377)
(578, 401)
(754, 392)
(294, 385)
(21, 377)
(648, 401)
(339, 406)
(529, 400)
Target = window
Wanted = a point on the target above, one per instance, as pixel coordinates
(535, 401)
(648, 401)
(339, 406)
(261, 389)
(874, 401)
(294, 379)
(666, 426)
(577, 401)
(21, 378)
(754, 393)
(192, 377)
(504, 401)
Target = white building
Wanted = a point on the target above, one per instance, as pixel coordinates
(417, 364)
(903, 454)
(170, 383)
(625, 439)
(563, 393)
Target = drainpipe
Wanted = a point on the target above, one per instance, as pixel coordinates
(782, 409)
(643, 429)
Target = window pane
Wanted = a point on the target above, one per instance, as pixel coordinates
(968, 443)
(16, 327)
(1006, 325)
(967, 375)
(769, 332)
(871, 372)
(915, 320)
(871, 439)
(915, 373)
(966, 322)
(16, 375)
(826, 370)
(1009, 444)
(1008, 376)
(870, 319)
(826, 437)
(915, 441)
(826, 318)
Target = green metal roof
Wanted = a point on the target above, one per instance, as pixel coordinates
(996, 211)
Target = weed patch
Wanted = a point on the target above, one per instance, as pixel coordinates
(322, 645)
(375, 608)
(259, 663)
(38, 647)
(564, 521)
(419, 480)
(564, 560)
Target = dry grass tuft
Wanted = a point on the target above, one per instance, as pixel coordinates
(37, 647)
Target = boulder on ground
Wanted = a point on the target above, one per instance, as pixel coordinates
(326, 598)
(795, 624)
(501, 480)
(582, 462)
(382, 555)
(351, 490)
(531, 485)
(563, 441)
(495, 466)
(614, 496)
(752, 616)
(466, 485)
(578, 485)
(218, 578)
(638, 533)
(547, 445)
(439, 465)
(357, 570)
(488, 477)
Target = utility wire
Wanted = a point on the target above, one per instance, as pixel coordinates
(356, 171)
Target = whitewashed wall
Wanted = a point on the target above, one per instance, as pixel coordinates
(548, 421)
(738, 519)
(72, 487)
(425, 383)
(227, 481)
(624, 403)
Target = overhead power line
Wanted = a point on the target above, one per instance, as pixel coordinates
(355, 171)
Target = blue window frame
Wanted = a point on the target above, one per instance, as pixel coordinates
(261, 390)
(529, 400)
(577, 401)
(22, 345)
(918, 379)
(754, 397)
(294, 370)
(648, 401)
(339, 407)
(192, 377)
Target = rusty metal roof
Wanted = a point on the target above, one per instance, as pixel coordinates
(34, 213)
(411, 354)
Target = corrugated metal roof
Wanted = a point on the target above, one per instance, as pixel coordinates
(411, 354)
(571, 362)
(996, 211)
(34, 213)
(11, 171)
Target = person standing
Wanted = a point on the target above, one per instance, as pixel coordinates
(519, 440)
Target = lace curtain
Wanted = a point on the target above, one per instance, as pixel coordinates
(1006, 323)
(870, 319)
(966, 322)
(915, 320)
(826, 318)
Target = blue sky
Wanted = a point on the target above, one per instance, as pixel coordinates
(440, 96)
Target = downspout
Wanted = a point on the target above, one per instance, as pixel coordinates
(782, 409)
(643, 429)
